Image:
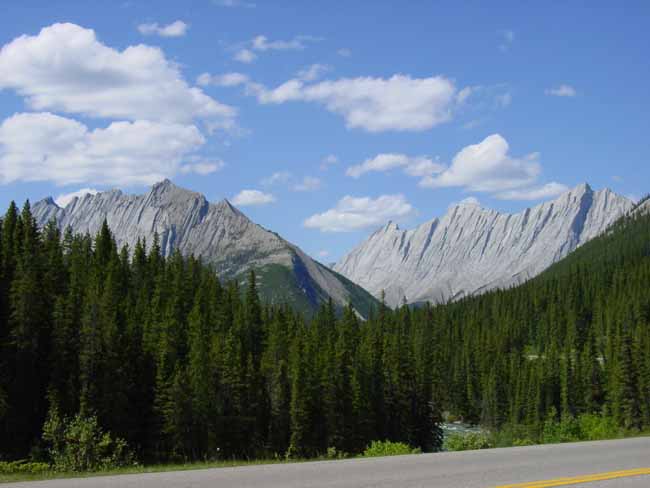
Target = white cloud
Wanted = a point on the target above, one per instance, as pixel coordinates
(353, 213)
(374, 104)
(246, 52)
(47, 147)
(503, 100)
(175, 29)
(323, 253)
(423, 167)
(465, 93)
(418, 166)
(262, 43)
(252, 197)
(471, 124)
(313, 72)
(487, 167)
(65, 68)
(344, 52)
(548, 190)
(226, 79)
(245, 56)
(562, 91)
(279, 177)
(64, 199)
(508, 37)
(470, 201)
(234, 3)
(308, 183)
(203, 167)
(329, 160)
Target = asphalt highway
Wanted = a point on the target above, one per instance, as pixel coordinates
(604, 464)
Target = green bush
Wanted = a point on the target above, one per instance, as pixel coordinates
(586, 427)
(596, 427)
(79, 444)
(388, 448)
(23, 467)
(334, 453)
(468, 442)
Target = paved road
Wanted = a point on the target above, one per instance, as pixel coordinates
(472, 469)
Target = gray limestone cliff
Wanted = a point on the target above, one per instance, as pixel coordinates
(219, 233)
(473, 249)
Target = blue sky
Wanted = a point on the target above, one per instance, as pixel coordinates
(323, 120)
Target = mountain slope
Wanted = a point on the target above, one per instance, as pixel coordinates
(222, 235)
(472, 249)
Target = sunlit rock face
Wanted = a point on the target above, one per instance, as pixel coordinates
(473, 249)
(219, 233)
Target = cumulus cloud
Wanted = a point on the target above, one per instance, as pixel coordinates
(262, 43)
(327, 161)
(487, 167)
(252, 197)
(226, 79)
(175, 29)
(549, 190)
(470, 201)
(66, 68)
(313, 72)
(308, 183)
(282, 177)
(374, 104)
(245, 56)
(354, 213)
(247, 52)
(203, 167)
(64, 199)
(562, 91)
(48, 147)
(418, 166)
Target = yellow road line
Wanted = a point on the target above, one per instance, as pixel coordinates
(580, 479)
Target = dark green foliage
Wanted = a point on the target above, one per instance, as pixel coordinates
(388, 448)
(180, 366)
(79, 444)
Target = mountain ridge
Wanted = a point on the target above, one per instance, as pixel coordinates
(218, 232)
(472, 249)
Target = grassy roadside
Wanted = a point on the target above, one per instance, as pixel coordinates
(380, 450)
(139, 469)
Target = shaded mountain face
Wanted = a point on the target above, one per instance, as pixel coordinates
(219, 233)
(473, 249)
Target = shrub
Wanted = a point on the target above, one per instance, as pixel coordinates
(79, 444)
(596, 427)
(388, 448)
(23, 467)
(334, 453)
(468, 442)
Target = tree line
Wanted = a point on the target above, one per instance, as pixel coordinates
(182, 366)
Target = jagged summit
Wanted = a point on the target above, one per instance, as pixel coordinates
(472, 249)
(218, 232)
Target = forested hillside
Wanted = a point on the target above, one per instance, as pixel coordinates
(183, 366)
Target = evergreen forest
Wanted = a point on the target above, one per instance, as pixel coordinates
(179, 365)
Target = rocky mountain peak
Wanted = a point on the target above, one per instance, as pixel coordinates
(472, 249)
(219, 233)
